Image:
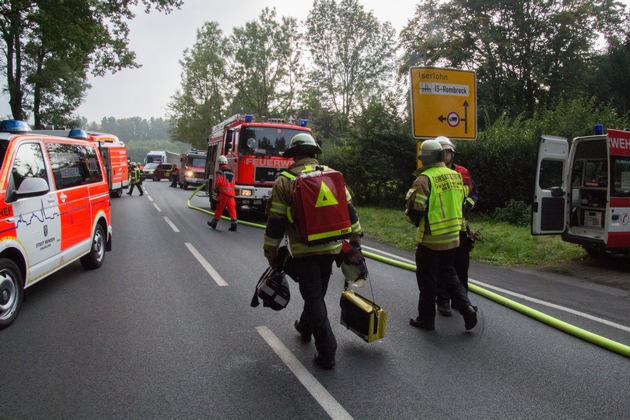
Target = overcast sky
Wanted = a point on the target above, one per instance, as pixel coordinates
(159, 41)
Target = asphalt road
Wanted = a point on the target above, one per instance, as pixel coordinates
(164, 329)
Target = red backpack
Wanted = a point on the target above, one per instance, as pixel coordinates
(320, 206)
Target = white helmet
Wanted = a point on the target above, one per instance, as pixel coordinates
(222, 160)
(430, 152)
(445, 142)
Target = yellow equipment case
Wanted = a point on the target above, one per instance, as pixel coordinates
(362, 316)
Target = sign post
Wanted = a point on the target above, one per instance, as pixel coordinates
(443, 103)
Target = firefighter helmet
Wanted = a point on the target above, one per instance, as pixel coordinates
(302, 144)
(355, 274)
(430, 152)
(446, 143)
(222, 160)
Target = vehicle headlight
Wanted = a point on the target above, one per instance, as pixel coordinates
(189, 174)
(246, 193)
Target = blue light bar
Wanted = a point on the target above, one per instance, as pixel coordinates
(303, 122)
(249, 118)
(599, 128)
(14, 126)
(77, 133)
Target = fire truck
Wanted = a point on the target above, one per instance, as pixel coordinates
(583, 191)
(113, 153)
(115, 159)
(192, 168)
(254, 152)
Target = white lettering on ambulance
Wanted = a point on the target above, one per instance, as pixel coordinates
(619, 143)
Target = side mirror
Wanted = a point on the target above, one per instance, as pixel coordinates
(31, 187)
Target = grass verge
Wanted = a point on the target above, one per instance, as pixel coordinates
(503, 244)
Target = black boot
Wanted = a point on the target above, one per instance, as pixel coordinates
(213, 223)
(233, 226)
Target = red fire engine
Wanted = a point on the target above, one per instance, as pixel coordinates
(254, 152)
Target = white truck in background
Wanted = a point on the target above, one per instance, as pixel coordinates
(162, 156)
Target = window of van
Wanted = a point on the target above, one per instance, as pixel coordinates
(73, 165)
(620, 177)
(29, 162)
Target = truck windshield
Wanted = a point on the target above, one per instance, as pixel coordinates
(266, 141)
(197, 161)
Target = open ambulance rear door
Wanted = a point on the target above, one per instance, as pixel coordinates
(549, 209)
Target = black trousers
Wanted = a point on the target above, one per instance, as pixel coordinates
(461, 262)
(433, 268)
(313, 273)
(137, 184)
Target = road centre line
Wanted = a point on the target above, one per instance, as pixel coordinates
(171, 224)
(317, 390)
(552, 305)
(206, 265)
(158, 209)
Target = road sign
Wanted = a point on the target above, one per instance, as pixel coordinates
(443, 103)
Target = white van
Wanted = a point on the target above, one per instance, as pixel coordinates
(54, 210)
(583, 191)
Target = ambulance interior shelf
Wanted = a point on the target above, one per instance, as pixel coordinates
(591, 179)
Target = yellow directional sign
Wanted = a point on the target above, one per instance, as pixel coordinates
(443, 103)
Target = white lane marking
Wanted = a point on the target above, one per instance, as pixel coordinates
(396, 257)
(205, 264)
(149, 197)
(317, 390)
(171, 224)
(552, 305)
(158, 209)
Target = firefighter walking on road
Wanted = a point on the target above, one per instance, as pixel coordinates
(136, 179)
(174, 176)
(224, 188)
(434, 206)
(462, 253)
(312, 265)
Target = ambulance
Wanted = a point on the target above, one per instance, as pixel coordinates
(113, 153)
(582, 191)
(54, 210)
(254, 152)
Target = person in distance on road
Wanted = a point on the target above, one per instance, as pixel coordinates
(434, 206)
(312, 265)
(224, 188)
(462, 253)
(174, 176)
(136, 179)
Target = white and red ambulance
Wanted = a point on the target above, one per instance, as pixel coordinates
(54, 210)
(583, 191)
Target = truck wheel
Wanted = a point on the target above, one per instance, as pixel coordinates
(11, 292)
(155, 178)
(117, 193)
(185, 185)
(96, 256)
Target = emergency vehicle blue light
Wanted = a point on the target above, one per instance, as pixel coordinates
(303, 122)
(14, 126)
(77, 133)
(249, 118)
(599, 128)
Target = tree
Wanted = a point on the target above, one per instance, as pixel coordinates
(265, 69)
(200, 103)
(352, 54)
(527, 54)
(50, 45)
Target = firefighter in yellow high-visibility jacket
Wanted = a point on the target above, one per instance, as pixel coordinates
(434, 205)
